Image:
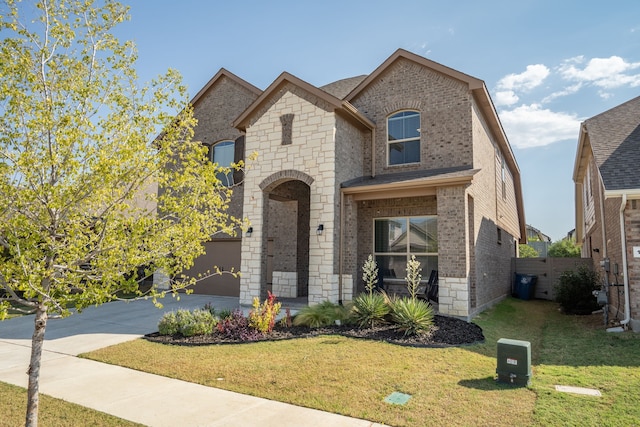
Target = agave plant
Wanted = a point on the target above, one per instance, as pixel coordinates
(370, 309)
(412, 316)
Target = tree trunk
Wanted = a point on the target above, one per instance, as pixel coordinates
(33, 398)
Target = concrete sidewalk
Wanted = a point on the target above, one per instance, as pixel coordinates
(144, 398)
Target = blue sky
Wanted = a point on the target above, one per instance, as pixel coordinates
(548, 65)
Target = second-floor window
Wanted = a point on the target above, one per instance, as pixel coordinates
(403, 138)
(223, 153)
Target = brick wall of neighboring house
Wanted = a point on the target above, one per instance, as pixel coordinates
(613, 252)
(632, 230)
(444, 104)
(312, 153)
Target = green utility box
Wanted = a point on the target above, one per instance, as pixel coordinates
(514, 361)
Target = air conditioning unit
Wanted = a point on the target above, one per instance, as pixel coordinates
(514, 361)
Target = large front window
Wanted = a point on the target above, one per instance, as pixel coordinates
(223, 154)
(396, 239)
(403, 137)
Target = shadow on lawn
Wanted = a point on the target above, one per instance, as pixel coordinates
(486, 384)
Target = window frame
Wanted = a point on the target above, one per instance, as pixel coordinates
(408, 252)
(227, 179)
(418, 138)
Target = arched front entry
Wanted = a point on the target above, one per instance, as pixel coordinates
(286, 215)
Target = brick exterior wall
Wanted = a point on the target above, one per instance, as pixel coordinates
(216, 110)
(444, 105)
(494, 211)
(602, 240)
(632, 230)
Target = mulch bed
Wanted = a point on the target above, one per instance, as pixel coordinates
(447, 331)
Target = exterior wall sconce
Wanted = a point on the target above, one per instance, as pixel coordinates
(596, 250)
(320, 229)
(249, 232)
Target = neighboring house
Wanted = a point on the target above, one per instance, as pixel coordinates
(607, 182)
(535, 234)
(409, 160)
(538, 240)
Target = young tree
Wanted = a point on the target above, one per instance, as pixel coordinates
(80, 219)
(564, 248)
(526, 251)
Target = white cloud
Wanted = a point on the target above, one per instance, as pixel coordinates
(532, 77)
(569, 90)
(606, 73)
(506, 97)
(530, 126)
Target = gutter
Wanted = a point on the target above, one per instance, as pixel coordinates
(623, 241)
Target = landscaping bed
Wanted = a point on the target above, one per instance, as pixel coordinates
(447, 331)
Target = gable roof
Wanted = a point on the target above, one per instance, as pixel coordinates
(614, 137)
(225, 73)
(339, 106)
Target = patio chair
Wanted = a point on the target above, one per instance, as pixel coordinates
(430, 291)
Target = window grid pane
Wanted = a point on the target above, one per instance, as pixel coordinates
(403, 136)
(396, 239)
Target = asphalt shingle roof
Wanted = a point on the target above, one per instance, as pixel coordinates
(342, 88)
(615, 140)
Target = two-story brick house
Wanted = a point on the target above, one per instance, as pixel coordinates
(409, 160)
(607, 190)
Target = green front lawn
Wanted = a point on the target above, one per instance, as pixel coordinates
(53, 412)
(449, 386)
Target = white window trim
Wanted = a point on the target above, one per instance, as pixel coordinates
(388, 143)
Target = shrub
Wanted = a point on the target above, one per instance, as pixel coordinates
(564, 248)
(236, 327)
(411, 315)
(263, 316)
(574, 291)
(168, 324)
(223, 314)
(370, 309)
(187, 323)
(324, 314)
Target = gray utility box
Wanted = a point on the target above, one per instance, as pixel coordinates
(514, 361)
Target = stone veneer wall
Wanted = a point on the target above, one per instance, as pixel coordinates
(285, 284)
(312, 154)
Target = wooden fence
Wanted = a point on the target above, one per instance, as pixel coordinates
(548, 271)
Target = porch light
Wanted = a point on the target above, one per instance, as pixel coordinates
(320, 229)
(249, 232)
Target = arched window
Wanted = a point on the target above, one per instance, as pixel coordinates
(223, 154)
(403, 138)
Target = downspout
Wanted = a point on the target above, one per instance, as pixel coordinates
(625, 276)
(340, 254)
(373, 153)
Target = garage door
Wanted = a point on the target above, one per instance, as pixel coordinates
(225, 254)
